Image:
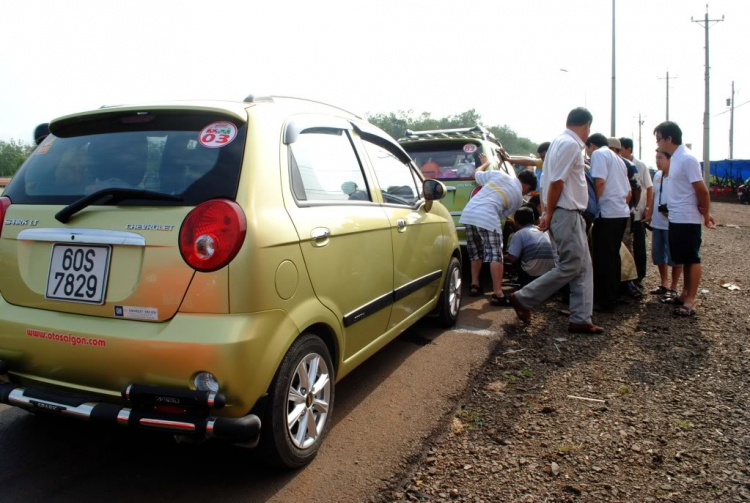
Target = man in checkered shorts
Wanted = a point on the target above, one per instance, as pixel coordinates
(500, 196)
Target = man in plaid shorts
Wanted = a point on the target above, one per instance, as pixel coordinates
(500, 196)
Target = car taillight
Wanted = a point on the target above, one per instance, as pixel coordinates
(212, 235)
(475, 191)
(4, 204)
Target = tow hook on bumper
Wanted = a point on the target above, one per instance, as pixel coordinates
(184, 413)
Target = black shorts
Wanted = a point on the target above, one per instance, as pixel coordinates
(685, 243)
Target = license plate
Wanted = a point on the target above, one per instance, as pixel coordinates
(78, 273)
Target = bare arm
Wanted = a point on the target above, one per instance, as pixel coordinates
(553, 196)
(704, 204)
(510, 259)
(649, 198)
(599, 184)
(485, 164)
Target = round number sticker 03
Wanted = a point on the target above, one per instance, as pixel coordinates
(470, 148)
(218, 134)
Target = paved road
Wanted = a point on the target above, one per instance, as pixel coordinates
(384, 410)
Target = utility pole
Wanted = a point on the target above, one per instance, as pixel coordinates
(613, 68)
(640, 143)
(706, 117)
(731, 125)
(667, 78)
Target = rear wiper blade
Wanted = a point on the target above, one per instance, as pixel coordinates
(115, 195)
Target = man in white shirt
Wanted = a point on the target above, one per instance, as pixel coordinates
(639, 231)
(689, 204)
(566, 192)
(613, 192)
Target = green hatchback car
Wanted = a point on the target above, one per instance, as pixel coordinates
(451, 156)
(213, 269)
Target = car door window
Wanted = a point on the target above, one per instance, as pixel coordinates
(394, 177)
(325, 167)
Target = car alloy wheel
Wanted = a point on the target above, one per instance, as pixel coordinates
(454, 291)
(307, 405)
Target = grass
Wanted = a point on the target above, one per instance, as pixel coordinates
(527, 372)
(685, 425)
(510, 378)
(567, 448)
(623, 390)
(472, 418)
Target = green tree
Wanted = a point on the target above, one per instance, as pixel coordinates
(12, 154)
(396, 124)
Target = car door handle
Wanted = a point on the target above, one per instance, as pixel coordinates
(401, 225)
(320, 233)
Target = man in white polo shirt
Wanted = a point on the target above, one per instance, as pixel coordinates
(689, 204)
(613, 192)
(566, 192)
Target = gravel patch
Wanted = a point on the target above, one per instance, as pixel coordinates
(654, 410)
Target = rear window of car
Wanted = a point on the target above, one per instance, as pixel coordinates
(196, 156)
(452, 161)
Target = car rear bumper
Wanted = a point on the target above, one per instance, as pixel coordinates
(196, 422)
(54, 350)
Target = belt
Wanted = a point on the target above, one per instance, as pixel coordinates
(580, 212)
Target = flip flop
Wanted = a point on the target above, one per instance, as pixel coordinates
(584, 328)
(475, 291)
(684, 312)
(662, 290)
(672, 301)
(499, 301)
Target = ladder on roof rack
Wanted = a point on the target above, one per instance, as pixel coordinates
(473, 133)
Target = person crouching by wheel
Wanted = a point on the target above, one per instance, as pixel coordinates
(500, 196)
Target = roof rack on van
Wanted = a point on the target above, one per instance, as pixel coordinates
(252, 98)
(111, 106)
(477, 133)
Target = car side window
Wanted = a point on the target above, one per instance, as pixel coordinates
(395, 178)
(325, 167)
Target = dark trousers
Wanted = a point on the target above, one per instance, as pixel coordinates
(606, 237)
(640, 255)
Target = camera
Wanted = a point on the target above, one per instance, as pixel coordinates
(663, 209)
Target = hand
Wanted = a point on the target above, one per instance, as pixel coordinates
(483, 158)
(544, 222)
(503, 154)
(709, 221)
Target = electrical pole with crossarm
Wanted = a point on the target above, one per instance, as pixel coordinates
(706, 117)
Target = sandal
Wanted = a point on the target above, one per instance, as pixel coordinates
(475, 291)
(584, 328)
(684, 312)
(499, 301)
(662, 290)
(672, 301)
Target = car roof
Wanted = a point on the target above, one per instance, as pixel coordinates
(236, 109)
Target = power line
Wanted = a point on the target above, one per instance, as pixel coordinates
(727, 111)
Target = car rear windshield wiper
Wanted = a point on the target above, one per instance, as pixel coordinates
(115, 195)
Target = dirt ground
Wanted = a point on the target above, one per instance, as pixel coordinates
(654, 410)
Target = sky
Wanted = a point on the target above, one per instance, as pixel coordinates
(503, 58)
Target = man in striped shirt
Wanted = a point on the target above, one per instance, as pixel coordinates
(500, 196)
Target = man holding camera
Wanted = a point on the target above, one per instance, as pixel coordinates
(689, 204)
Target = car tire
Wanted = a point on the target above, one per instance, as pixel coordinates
(449, 303)
(296, 445)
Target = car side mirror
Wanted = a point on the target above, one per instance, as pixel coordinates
(433, 190)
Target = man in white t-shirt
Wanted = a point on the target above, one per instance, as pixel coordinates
(613, 192)
(566, 192)
(656, 215)
(639, 231)
(689, 204)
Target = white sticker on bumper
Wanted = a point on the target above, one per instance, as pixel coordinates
(137, 313)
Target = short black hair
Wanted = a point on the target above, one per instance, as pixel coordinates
(665, 154)
(669, 129)
(597, 139)
(535, 200)
(579, 117)
(543, 147)
(527, 177)
(524, 216)
(626, 143)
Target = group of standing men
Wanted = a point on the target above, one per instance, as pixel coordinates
(618, 186)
